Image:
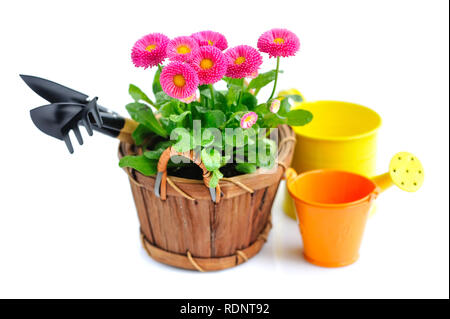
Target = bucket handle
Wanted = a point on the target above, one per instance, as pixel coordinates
(161, 177)
(290, 174)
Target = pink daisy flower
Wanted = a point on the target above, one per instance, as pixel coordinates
(181, 48)
(179, 80)
(243, 61)
(210, 64)
(248, 120)
(150, 50)
(216, 39)
(275, 106)
(279, 42)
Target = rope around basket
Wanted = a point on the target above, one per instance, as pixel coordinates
(239, 253)
(196, 266)
(180, 191)
(131, 177)
(237, 183)
(242, 254)
(285, 140)
(280, 146)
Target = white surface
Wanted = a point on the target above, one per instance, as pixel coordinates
(68, 226)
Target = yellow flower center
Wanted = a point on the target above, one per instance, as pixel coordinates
(206, 64)
(210, 42)
(150, 47)
(183, 49)
(248, 118)
(278, 41)
(179, 80)
(239, 60)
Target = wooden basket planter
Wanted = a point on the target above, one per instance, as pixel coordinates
(188, 230)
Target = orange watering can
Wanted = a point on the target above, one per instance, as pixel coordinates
(333, 206)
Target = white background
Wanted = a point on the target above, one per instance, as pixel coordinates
(68, 225)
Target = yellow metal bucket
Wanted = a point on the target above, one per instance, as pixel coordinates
(342, 136)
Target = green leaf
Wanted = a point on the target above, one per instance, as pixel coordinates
(162, 98)
(299, 117)
(235, 137)
(207, 138)
(205, 91)
(266, 156)
(246, 168)
(177, 118)
(140, 134)
(233, 94)
(267, 163)
(215, 118)
(140, 163)
(155, 154)
(262, 80)
(201, 109)
(285, 105)
(233, 82)
(294, 97)
(170, 107)
(137, 94)
(210, 138)
(249, 100)
(241, 108)
(272, 120)
(269, 145)
(212, 158)
(262, 109)
(164, 144)
(216, 176)
(184, 139)
(156, 84)
(167, 124)
(220, 98)
(143, 114)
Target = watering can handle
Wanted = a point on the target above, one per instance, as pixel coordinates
(290, 174)
(161, 177)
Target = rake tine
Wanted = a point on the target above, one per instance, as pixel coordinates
(68, 143)
(76, 131)
(87, 125)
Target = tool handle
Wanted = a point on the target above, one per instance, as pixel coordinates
(117, 122)
(122, 136)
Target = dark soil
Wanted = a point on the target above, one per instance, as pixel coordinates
(192, 171)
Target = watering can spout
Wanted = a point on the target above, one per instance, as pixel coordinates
(383, 182)
(405, 171)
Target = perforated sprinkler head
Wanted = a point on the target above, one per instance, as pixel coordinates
(406, 171)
